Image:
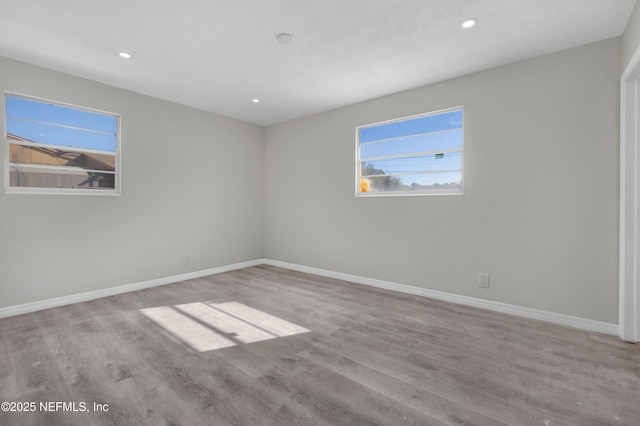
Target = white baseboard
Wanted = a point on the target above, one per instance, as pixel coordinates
(566, 320)
(112, 291)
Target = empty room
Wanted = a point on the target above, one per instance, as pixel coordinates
(323, 212)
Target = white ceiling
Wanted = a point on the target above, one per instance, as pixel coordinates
(217, 55)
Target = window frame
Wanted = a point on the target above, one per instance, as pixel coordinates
(8, 189)
(409, 193)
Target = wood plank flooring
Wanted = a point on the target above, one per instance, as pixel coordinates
(371, 357)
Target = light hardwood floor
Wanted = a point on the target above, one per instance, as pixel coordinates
(371, 357)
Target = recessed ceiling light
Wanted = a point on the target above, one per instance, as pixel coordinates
(125, 55)
(285, 38)
(255, 100)
(468, 23)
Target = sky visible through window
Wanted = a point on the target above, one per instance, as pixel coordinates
(438, 132)
(52, 124)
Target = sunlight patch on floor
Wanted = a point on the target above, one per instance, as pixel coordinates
(207, 326)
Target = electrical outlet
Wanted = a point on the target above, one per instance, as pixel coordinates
(483, 280)
(186, 259)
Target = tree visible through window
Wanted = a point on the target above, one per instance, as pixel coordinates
(57, 148)
(411, 156)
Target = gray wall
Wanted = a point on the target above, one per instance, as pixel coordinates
(540, 208)
(631, 36)
(539, 213)
(191, 183)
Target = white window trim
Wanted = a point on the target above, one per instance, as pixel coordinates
(116, 191)
(416, 192)
(629, 257)
(68, 169)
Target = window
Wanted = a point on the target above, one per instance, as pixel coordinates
(418, 155)
(58, 148)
